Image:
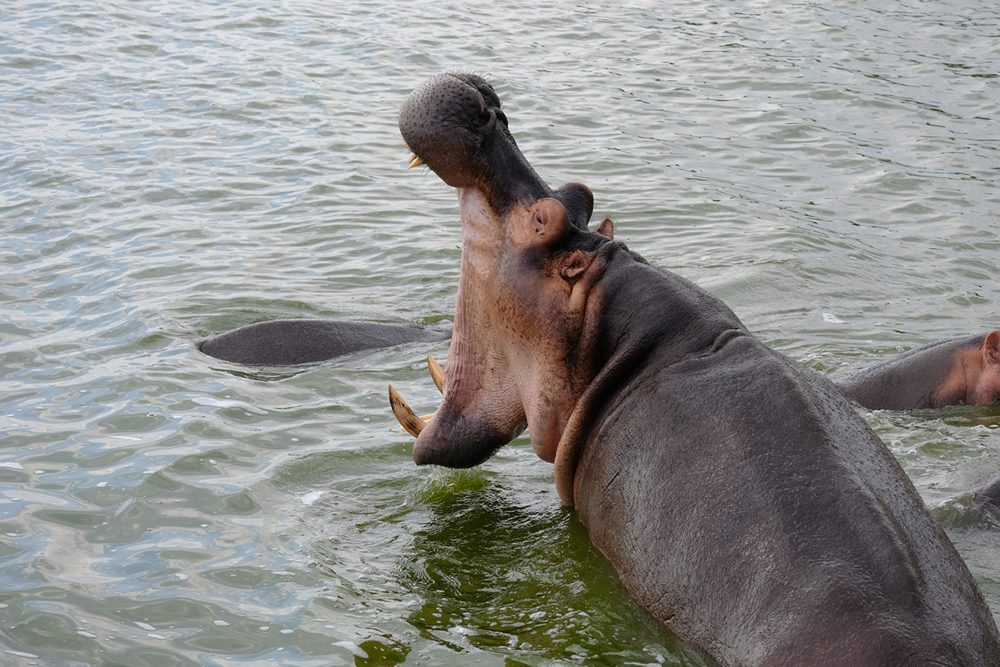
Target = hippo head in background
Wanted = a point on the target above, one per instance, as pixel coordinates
(523, 348)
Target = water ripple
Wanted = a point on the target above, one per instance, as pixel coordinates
(174, 172)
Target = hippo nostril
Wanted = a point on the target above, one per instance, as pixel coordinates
(482, 104)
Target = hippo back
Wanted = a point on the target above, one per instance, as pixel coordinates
(749, 508)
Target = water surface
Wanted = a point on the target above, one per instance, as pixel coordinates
(168, 172)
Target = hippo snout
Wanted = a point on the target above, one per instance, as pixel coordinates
(446, 122)
(454, 125)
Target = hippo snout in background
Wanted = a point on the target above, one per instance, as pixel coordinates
(741, 499)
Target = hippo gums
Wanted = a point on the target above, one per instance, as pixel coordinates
(741, 499)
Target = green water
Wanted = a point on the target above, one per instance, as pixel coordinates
(168, 172)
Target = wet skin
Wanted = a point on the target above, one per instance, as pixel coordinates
(742, 500)
(963, 370)
(286, 342)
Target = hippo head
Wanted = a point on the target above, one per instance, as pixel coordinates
(522, 350)
(454, 125)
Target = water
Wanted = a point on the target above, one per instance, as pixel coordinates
(174, 171)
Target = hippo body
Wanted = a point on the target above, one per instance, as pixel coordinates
(745, 504)
(960, 370)
(286, 342)
(739, 496)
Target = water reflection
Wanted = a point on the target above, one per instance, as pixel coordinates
(472, 561)
(493, 574)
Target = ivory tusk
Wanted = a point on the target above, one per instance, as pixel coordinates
(423, 418)
(437, 373)
(410, 422)
(415, 161)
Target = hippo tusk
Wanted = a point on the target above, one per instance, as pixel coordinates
(415, 161)
(423, 418)
(410, 422)
(437, 373)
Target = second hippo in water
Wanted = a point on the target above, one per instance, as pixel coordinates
(741, 499)
(288, 342)
(963, 370)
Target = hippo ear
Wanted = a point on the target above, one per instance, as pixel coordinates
(606, 228)
(991, 348)
(575, 264)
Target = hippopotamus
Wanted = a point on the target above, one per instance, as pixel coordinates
(961, 370)
(948, 372)
(287, 342)
(741, 499)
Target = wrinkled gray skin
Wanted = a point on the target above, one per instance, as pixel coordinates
(739, 496)
(286, 342)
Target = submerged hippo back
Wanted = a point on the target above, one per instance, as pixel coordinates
(286, 342)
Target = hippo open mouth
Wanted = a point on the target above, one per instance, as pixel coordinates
(526, 258)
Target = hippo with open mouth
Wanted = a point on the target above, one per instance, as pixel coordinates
(741, 499)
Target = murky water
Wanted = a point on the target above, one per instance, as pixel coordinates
(171, 171)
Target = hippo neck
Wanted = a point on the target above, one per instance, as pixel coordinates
(645, 327)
